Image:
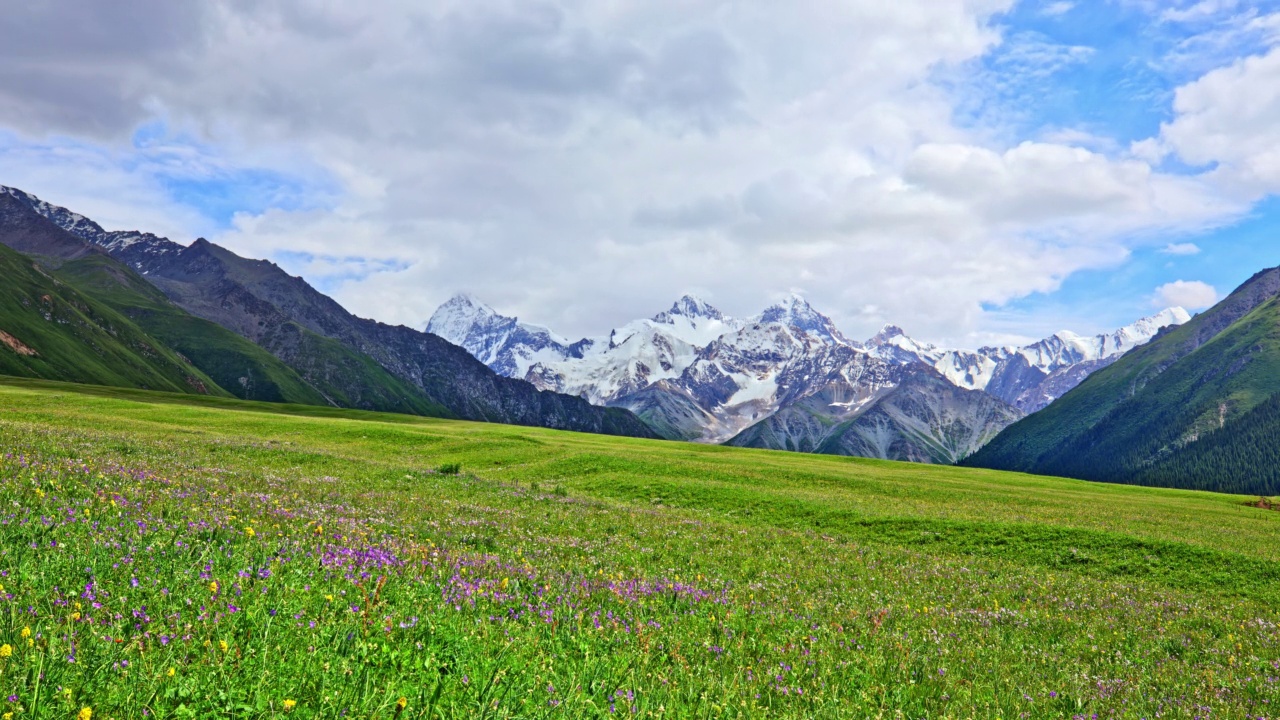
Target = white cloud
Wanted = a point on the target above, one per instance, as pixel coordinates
(1192, 295)
(581, 164)
(1181, 249)
(1055, 9)
(1230, 119)
(1199, 12)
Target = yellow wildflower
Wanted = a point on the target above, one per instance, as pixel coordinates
(222, 645)
(289, 705)
(249, 531)
(401, 703)
(6, 650)
(75, 616)
(171, 672)
(213, 586)
(26, 631)
(85, 714)
(7, 716)
(1, 587)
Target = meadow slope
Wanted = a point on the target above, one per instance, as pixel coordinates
(197, 557)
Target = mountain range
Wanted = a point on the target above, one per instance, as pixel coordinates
(134, 309)
(787, 378)
(1197, 407)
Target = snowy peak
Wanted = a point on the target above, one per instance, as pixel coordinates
(886, 334)
(62, 217)
(795, 312)
(455, 319)
(142, 248)
(505, 344)
(1067, 348)
(894, 345)
(691, 307)
(1146, 328)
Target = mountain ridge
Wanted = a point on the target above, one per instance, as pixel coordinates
(373, 365)
(699, 374)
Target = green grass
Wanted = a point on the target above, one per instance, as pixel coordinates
(493, 571)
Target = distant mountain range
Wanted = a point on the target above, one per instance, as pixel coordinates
(789, 379)
(133, 309)
(1197, 407)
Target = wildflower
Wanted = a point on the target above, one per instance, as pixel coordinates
(85, 714)
(171, 672)
(289, 705)
(6, 650)
(213, 586)
(401, 703)
(26, 632)
(222, 645)
(249, 531)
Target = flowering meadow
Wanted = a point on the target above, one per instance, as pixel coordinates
(163, 560)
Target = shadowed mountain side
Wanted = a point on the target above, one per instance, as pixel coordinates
(922, 419)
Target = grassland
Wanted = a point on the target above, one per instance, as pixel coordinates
(178, 557)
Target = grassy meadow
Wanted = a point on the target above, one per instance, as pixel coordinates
(175, 557)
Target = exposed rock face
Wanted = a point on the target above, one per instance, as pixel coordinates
(786, 377)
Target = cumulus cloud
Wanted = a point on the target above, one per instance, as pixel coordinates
(1226, 121)
(1181, 249)
(1191, 295)
(581, 164)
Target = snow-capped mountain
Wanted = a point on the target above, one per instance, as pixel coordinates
(505, 344)
(1013, 374)
(788, 377)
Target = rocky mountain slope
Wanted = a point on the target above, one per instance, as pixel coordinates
(352, 362)
(788, 378)
(1192, 408)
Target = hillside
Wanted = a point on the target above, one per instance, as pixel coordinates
(50, 330)
(445, 569)
(1144, 418)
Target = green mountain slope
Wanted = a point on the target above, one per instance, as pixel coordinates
(297, 366)
(48, 329)
(1143, 419)
(239, 366)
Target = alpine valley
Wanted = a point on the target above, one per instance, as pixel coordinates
(130, 309)
(789, 379)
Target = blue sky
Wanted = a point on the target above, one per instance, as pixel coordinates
(976, 172)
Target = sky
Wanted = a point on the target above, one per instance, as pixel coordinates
(975, 171)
